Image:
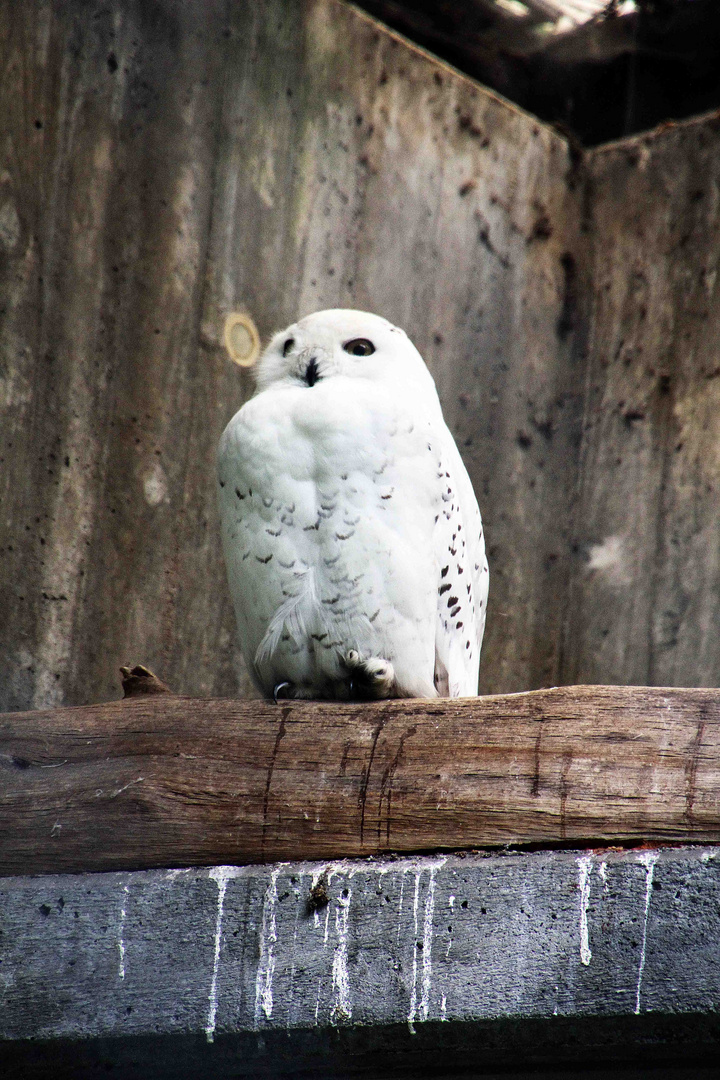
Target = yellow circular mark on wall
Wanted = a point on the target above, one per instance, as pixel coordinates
(242, 340)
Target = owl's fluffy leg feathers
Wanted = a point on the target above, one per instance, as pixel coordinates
(373, 677)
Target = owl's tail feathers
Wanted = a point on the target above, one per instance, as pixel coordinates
(297, 615)
(288, 614)
(373, 677)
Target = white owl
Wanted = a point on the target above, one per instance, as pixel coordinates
(351, 532)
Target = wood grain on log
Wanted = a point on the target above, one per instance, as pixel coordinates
(172, 781)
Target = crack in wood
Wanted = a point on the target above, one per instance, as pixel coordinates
(567, 761)
(536, 770)
(271, 767)
(692, 767)
(387, 782)
(362, 795)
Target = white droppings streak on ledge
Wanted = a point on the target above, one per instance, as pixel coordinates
(427, 942)
(421, 1012)
(648, 860)
(220, 875)
(332, 871)
(174, 875)
(413, 994)
(584, 869)
(121, 931)
(342, 1006)
(317, 999)
(268, 938)
(400, 906)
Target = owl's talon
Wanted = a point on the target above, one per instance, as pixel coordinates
(278, 694)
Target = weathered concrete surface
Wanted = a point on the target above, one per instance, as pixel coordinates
(645, 601)
(162, 165)
(108, 135)
(405, 942)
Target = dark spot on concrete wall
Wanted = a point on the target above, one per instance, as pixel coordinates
(568, 313)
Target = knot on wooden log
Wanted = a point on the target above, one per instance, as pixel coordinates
(140, 680)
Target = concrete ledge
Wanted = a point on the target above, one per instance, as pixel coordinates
(236, 952)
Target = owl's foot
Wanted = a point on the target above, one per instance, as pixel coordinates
(372, 678)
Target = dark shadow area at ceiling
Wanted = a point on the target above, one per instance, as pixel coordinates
(614, 76)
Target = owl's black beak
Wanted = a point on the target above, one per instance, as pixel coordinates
(311, 372)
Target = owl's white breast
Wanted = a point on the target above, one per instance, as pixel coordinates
(328, 503)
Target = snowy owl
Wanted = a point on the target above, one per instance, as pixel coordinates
(351, 532)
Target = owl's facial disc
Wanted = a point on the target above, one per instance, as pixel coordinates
(341, 343)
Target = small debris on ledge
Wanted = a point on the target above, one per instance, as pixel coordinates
(141, 680)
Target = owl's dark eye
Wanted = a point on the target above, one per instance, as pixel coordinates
(288, 345)
(359, 347)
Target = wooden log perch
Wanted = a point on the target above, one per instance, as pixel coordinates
(160, 780)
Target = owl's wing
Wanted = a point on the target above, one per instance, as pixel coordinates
(462, 576)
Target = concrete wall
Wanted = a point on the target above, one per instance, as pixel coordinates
(164, 164)
(645, 605)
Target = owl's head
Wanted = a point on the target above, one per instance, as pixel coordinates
(340, 342)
